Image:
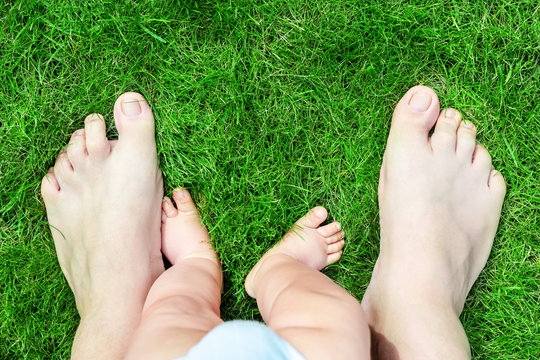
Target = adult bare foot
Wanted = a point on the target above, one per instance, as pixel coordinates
(440, 202)
(313, 245)
(103, 204)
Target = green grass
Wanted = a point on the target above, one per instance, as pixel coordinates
(264, 109)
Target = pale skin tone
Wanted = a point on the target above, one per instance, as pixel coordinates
(439, 199)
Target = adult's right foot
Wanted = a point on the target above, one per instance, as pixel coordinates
(440, 202)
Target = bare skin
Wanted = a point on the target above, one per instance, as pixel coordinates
(440, 202)
(103, 202)
(302, 305)
(183, 303)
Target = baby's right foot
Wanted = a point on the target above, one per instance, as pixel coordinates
(183, 234)
(313, 245)
(440, 202)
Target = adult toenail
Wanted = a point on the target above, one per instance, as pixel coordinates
(319, 213)
(450, 113)
(420, 102)
(131, 107)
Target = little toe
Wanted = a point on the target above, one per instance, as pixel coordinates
(76, 149)
(445, 133)
(95, 135)
(134, 120)
(415, 115)
(184, 202)
(330, 229)
(336, 237)
(49, 185)
(335, 247)
(497, 185)
(332, 258)
(63, 170)
(466, 140)
(168, 207)
(313, 218)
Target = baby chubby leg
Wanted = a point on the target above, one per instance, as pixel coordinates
(183, 304)
(302, 305)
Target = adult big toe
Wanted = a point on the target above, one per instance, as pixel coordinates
(415, 115)
(134, 120)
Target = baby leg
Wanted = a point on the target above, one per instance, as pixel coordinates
(303, 306)
(183, 304)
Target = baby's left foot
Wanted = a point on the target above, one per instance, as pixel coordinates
(313, 245)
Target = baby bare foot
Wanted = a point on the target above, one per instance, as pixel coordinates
(313, 245)
(183, 304)
(182, 233)
(440, 202)
(103, 204)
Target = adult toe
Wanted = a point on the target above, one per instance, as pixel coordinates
(414, 116)
(445, 133)
(134, 120)
(49, 186)
(76, 149)
(95, 135)
(497, 185)
(63, 170)
(466, 140)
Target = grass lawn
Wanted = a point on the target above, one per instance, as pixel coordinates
(265, 109)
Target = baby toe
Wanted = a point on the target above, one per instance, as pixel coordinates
(330, 229)
(332, 258)
(335, 247)
(313, 218)
(336, 237)
(168, 207)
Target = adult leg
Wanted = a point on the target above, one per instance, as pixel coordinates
(303, 306)
(183, 304)
(440, 201)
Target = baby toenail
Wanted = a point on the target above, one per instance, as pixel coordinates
(450, 113)
(131, 107)
(338, 225)
(467, 123)
(420, 102)
(79, 132)
(179, 193)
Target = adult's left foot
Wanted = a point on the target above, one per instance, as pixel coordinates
(103, 201)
